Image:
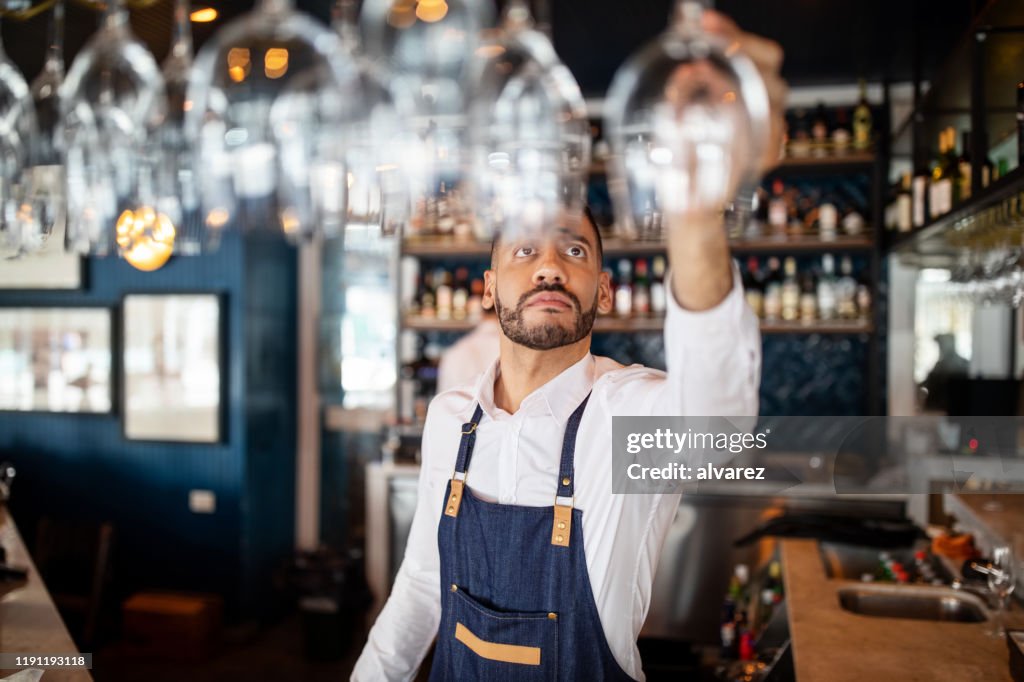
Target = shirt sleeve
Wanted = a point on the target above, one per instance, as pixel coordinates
(406, 626)
(713, 356)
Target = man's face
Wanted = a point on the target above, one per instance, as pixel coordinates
(547, 287)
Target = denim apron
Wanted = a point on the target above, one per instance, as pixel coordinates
(516, 601)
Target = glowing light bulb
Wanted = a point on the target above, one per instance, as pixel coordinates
(145, 238)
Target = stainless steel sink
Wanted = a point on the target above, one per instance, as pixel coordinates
(917, 603)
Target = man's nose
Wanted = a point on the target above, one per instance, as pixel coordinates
(549, 269)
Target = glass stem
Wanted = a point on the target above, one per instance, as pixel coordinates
(688, 14)
(55, 50)
(346, 17)
(182, 45)
(517, 15)
(115, 14)
(275, 6)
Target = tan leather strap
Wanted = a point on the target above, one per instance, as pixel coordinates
(451, 505)
(507, 653)
(562, 525)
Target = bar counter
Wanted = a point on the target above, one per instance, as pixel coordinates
(834, 645)
(29, 621)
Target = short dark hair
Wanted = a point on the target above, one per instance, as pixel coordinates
(597, 236)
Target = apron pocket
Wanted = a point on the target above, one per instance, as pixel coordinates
(488, 644)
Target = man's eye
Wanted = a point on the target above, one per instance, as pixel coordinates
(524, 251)
(576, 251)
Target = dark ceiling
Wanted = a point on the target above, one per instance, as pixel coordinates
(826, 41)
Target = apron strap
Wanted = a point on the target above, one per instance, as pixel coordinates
(451, 505)
(562, 523)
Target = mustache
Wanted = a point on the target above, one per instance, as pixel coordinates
(552, 287)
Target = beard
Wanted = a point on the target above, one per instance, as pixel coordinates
(544, 336)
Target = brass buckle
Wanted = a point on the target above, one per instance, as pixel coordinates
(472, 428)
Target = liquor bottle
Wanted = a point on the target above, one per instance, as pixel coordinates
(428, 300)
(808, 298)
(641, 290)
(753, 289)
(819, 131)
(474, 304)
(853, 222)
(624, 289)
(444, 295)
(800, 134)
(790, 291)
(773, 291)
(919, 197)
(827, 288)
(658, 292)
(1020, 124)
(778, 211)
(940, 197)
(828, 219)
(846, 290)
(862, 120)
(905, 205)
(413, 307)
(841, 135)
(460, 293)
(963, 167)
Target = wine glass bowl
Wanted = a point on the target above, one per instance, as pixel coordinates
(530, 131)
(688, 120)
(268, 95)
(17, 130)
(112, 100)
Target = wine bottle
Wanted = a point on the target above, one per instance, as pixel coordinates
(905, 206)
(827, 288)
(641, 290)
(790, 291)
(773, 291)
(624, 290)
(862, 120)
(753, 290)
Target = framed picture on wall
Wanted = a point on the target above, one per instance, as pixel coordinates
(172, 369)
(56, 360)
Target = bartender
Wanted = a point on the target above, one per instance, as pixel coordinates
(520, 560)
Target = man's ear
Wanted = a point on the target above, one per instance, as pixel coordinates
(487, 300)
(605, 298)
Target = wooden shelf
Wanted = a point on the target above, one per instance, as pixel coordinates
(617, 247)
(840, 163)
(609, 325)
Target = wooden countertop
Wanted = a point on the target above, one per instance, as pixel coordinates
(29, 621)
(833, 645)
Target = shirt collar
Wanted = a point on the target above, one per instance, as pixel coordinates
(561, 395)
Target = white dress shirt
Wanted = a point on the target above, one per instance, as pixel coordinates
(714, 364)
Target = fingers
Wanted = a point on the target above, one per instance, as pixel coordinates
(766, 53)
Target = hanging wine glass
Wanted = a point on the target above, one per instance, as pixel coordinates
(376, 196)
(42, 213)
(112, 100)
(688, 119)
(531, 135)
(174, 223)
(17, 129)
(250, 166)
(428, 46)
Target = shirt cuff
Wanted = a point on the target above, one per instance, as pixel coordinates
(702, 328)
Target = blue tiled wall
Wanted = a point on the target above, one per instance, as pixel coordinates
(81, 465)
